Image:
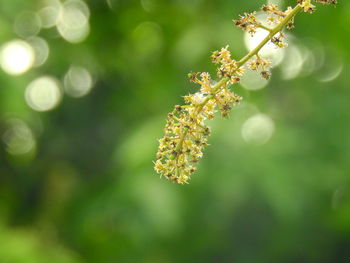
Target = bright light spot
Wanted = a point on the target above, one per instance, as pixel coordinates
(258, 129)
(73, 23)
(269, 51)
(77, 82)
(332, 74)
(18, 137)
(27, 24)
(16, 57)
(41, 50)
(252, 80)
(49, 13)
(43, 93)
(292, 63)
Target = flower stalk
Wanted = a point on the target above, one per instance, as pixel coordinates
(186, 133)
(273, 32)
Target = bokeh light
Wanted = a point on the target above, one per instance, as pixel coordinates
(332, 73)
(258, 129)
(112, 4)
(77, 82)
(252, 80)
(43, 93)
(49, 13)
(27, 24)
(16, 57)
(147, 38)
(41, 50)
(73, 22)
(148, 5)
(293, 62)
(269, 50)
(18, 137)
(185, 51)
(340, 197)
(315, 57)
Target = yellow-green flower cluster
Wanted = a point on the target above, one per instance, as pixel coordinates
(307, 6)
(260, 64)
(279, 40)
(228, 67)
(248, 22)
(310, 8)
(186, 133)
(276, 15)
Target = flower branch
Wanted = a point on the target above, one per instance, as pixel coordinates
(186, 133)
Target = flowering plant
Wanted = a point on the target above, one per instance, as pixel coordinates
(186, 133)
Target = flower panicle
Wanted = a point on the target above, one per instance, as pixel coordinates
(186, 133)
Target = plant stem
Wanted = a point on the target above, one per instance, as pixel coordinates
(264, 27)
(241, 62)
(273, 32)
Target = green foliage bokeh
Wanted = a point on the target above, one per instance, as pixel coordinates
(87, 191)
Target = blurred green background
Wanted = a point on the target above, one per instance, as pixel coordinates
(84, 91)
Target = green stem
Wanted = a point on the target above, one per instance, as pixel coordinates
(273, 32)
(264, 27)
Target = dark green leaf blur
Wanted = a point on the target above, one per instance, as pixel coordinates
(85, 88)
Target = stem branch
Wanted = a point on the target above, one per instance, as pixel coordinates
(273, 32)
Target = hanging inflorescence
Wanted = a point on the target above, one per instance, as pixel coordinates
(185, 133)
